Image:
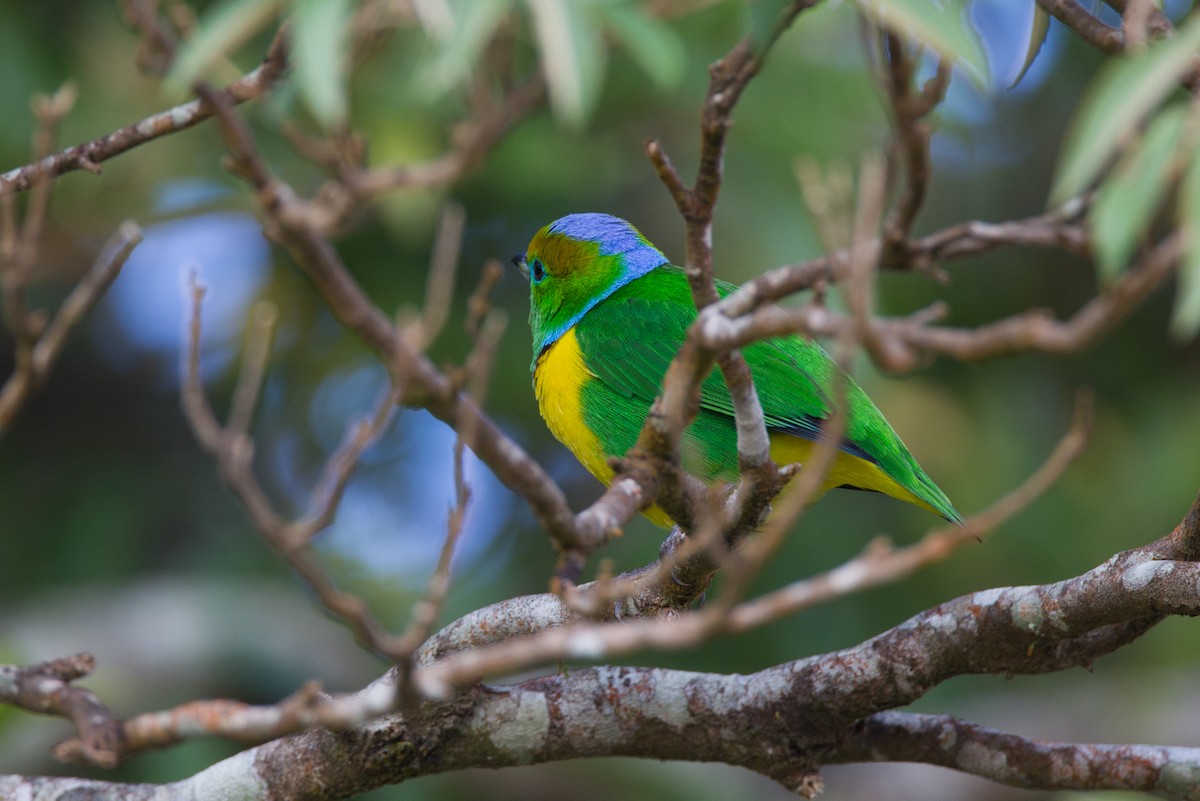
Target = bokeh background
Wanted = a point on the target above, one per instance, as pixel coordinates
(117, 537)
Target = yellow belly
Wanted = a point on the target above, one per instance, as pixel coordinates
(558, 381)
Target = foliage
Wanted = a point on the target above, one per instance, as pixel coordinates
(109, 508)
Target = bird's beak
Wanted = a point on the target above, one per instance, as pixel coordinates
(519, 262)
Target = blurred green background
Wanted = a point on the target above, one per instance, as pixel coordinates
(117, 537)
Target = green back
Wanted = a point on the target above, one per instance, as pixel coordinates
(629, 339)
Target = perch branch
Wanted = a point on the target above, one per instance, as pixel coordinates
(784, 722)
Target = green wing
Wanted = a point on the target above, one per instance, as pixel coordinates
(629, 339)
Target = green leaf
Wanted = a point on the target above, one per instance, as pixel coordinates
(1124, 92)
(1038, 30)
(941, 26)
(222, 29)
(648, 41)
(572, 56)
(472, 23)
(1126, 202)
(318, 45)
(1185, 318)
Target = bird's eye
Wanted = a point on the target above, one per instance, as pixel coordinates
(537, 271)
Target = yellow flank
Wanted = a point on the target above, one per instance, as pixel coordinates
(847, 469)
(558, 383)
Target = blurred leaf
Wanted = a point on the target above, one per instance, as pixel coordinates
(1037, 37)
(1126, 202)
(763, 15)
(1185, 319)
(650, 42)
(222, 29)
(940, 26)
(1121, 96)
(462, 42)
(572, 56)
(318, 44)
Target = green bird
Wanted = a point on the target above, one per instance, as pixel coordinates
(608, 311)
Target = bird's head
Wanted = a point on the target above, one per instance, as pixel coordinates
(574, 263)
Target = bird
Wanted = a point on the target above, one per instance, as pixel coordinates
(607, 313)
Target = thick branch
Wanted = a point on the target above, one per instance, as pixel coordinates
(953, 743)
(784, 721)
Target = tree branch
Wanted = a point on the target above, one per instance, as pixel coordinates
(728, 324)
(1072, 14)
(89, 155)
(679, 402)
(784, 721)
(47, 688)
(44, 349)
(473, 139)
(909, 141)
(950, 742)
(233, 449)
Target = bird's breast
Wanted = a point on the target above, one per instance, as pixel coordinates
(559, 377)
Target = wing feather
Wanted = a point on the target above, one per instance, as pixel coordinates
(630, 338)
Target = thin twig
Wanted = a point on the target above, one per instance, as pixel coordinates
(339, 468)
(477, 370)
(1072, 14)
(157, 47)
(907, 338)
(234, 451)
(290, 221)
(243, 723)
(880, 563)
(678, 404)
(475, 138)
(32, 373)
(21, 239)
(263, 319)
(480, 303)
(909, 139)
(89, 155)
(439, 287)
(47, 688)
